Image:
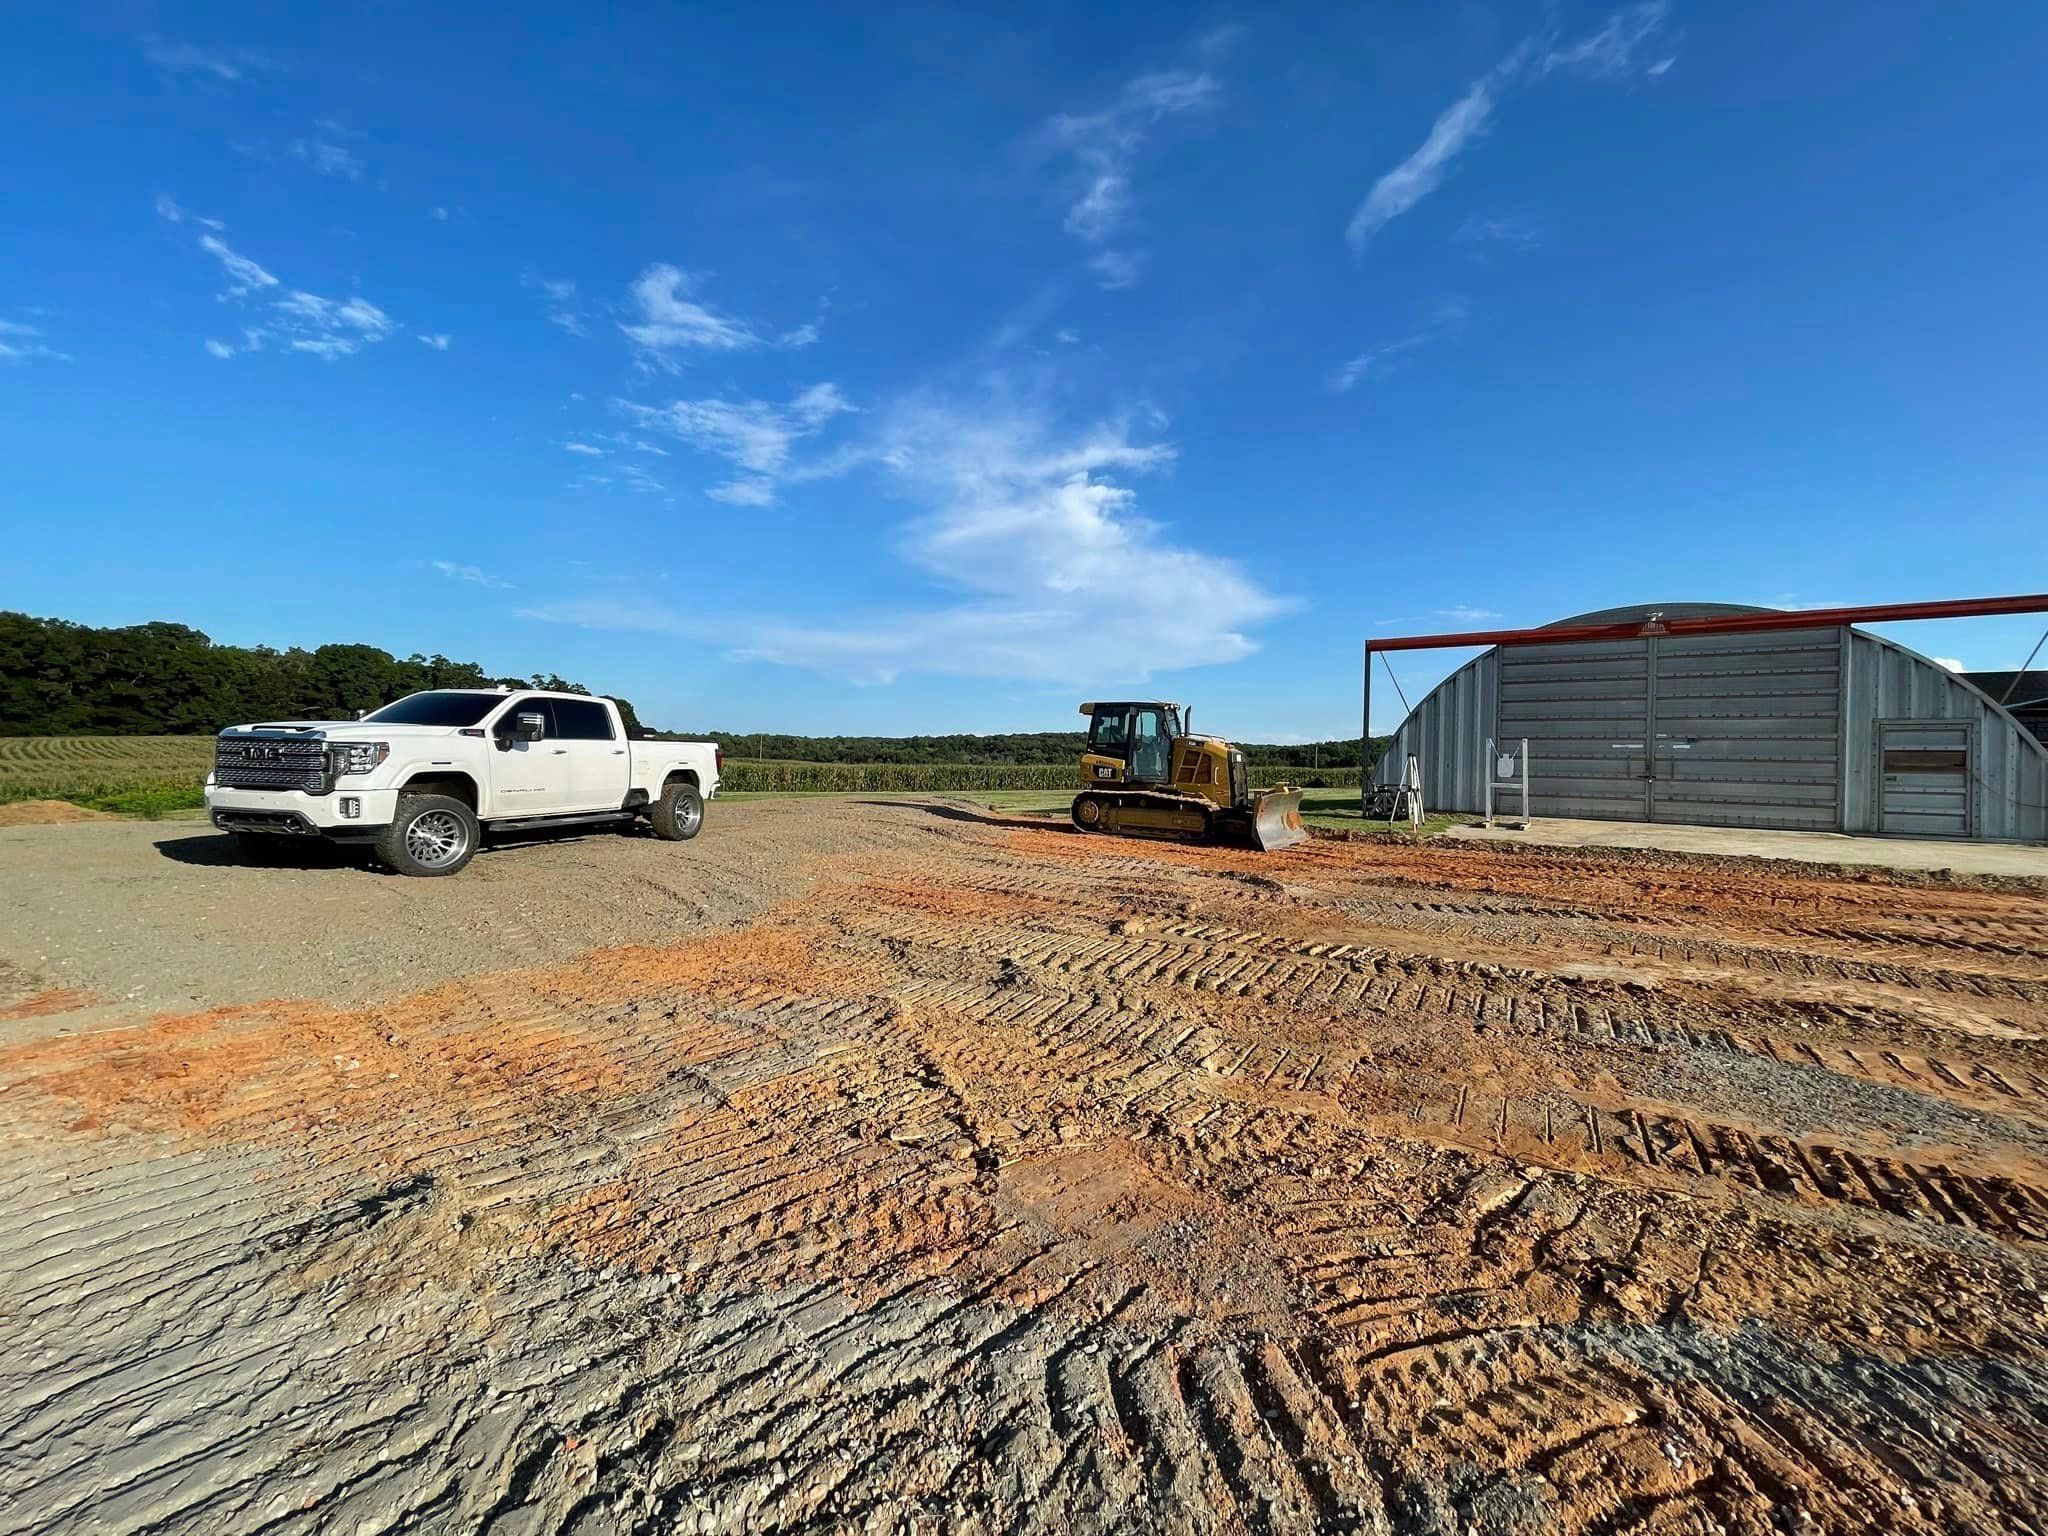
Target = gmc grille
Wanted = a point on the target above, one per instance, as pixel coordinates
(269, 762)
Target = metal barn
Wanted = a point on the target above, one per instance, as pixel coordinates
(1709, 713)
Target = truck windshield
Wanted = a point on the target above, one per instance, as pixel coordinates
(438, 709)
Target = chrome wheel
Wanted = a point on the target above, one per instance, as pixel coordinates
(436, 838)
(689, 811)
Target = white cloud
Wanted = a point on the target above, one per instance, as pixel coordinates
(299, 321)
(1419, 175)
(1950, 662)
(167, 208)
(590, 449)
(669, 320)
(1609, 52)
(1103, 147)
(1066, 338)
(223, 64)
(1055, 574)
(751, 435)
(329, 159)
(1377, 362)
(565, 304)
(747, 491)
(1464, 613)
(470, 573)
(440, 214)
(21, 342)
(438, 340)
(1118, 269)
(244, 276)
(1509, 229)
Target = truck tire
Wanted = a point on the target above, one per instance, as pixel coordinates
(429, 835)
(679, 814)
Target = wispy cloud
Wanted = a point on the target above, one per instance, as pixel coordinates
(221, 64)
(755, 437)
(1949, 662)
(589, 449)
(167, 208)
(1042, 565)
(244, 276)
(1616, 47)
(1419, 175)
(1377, 361)
(565, 304)
(1464, 613)
(669, 319)
(21, 342)
(1611, 51)
(437, 340)
(470, 573)
(329, 159)
(1513, 230)
(1118, 269)
(1103, 146)
(298, 321)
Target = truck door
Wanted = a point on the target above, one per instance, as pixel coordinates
(528, 778)
(598, 765)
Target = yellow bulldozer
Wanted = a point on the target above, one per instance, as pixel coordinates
(1145, 774)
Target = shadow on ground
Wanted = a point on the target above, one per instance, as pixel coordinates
(225, 850)
(956, 811)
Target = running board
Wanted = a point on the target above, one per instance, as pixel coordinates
(537, 823)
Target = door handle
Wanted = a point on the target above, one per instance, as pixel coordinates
(618, 752)
(561, 751)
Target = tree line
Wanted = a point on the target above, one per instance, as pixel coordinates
(1021, 748)
(63, 679)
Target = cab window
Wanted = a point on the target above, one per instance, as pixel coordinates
(583, 719)
(1109, 734)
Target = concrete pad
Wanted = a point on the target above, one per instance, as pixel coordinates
(1811, 847)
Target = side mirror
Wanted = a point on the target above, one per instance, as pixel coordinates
(530, 727)
(362, 714)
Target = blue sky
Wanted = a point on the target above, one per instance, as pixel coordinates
(936, 369)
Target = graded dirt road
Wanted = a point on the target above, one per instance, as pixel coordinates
(905, 1167)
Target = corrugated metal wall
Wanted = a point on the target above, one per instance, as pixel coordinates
(1448, 731)
(1783, 731)
(2008, 768)
(1577, 703)
(1749, 730)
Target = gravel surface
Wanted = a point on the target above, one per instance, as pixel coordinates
(174, 914)
(901, 1167)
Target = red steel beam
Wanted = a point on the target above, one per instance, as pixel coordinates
(1726, 623)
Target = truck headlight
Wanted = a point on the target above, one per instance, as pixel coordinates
(359, 756)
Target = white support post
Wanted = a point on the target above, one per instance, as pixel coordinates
(1499, 769)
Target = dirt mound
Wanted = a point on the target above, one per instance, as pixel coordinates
(48, 813)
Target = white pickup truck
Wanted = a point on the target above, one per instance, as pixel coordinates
(423, 779)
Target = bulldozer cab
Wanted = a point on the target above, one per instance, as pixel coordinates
(1133, 740)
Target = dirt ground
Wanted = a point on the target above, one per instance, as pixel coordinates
(908, 1167)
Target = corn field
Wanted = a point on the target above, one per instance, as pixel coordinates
(93, 768)
(87, 768)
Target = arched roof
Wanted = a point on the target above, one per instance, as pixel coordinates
(1635, 613)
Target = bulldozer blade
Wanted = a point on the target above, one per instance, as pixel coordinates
(1276, 820)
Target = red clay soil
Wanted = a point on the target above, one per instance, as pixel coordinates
(1040, 1180)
